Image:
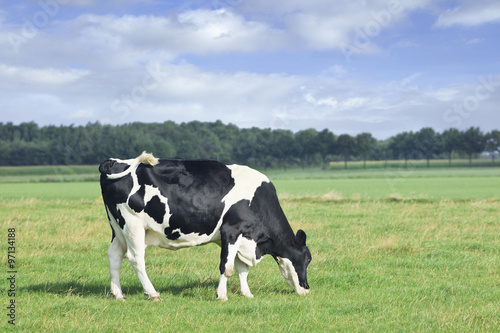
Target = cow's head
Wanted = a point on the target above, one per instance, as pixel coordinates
(293, 266)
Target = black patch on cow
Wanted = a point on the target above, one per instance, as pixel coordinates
(115, 191)
(111, 166)
(120, 219)
(156, 209)
(172, 235)
(194, 192)
(136, 201)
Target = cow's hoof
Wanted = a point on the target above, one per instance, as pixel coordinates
(247, 294)
(154, 298)
(118, 298)
(221, 298)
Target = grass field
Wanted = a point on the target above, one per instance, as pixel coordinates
(397, 250)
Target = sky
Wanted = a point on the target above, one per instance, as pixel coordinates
(350, 66)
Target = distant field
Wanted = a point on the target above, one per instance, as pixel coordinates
(49, 173)
(398, 188)
(393, 250)
(424, 185)
(334, 170)
(461, 163)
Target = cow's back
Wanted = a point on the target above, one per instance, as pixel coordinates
(181, 198)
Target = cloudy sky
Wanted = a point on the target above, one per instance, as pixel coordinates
(352, 66)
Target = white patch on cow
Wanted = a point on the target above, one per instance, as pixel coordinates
(246, 251)
(134, 163)
(290, 275)
(135, 182)
(244, 248)
(246, 182)
(129, 161)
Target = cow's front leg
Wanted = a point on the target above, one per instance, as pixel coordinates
(242, 270)
(228, 255)
(136, 249)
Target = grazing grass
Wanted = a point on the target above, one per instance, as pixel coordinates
(420, 256)
(414, 164)
(56, 173)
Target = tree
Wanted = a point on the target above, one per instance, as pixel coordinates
(326, 146)
(493, 144)
(283, 146)
(403, 145)
(346, 146)
(365, 144)
(450, 142)
(382, 152)
(307, 142)
(472, 142)
(426, 140)
(29, 144)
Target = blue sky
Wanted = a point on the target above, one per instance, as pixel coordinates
(352, 66)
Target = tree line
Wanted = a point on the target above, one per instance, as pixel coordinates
(30, 144)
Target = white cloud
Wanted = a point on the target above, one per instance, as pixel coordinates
(111, 41)
(407, 80)
(50, 76)
(85, 114)
(74, 69)
(443, 94)
(190, 32)
(474, 41)
(471, 13)
(355, 102)
(321, 24)
(186, 92)
(337, 71)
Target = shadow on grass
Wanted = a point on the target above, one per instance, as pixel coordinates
(94, 289)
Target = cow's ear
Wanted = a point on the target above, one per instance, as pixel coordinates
(301, 237)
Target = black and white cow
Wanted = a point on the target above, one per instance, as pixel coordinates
(181, 203)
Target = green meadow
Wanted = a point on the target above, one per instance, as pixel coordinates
(394, 250)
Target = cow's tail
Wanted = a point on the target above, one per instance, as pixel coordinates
(147, 158)
(144, 158)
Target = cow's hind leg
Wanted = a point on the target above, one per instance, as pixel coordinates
(116, 253)
(136, 249)
(242, 270)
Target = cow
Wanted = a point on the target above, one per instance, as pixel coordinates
(174, 203)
